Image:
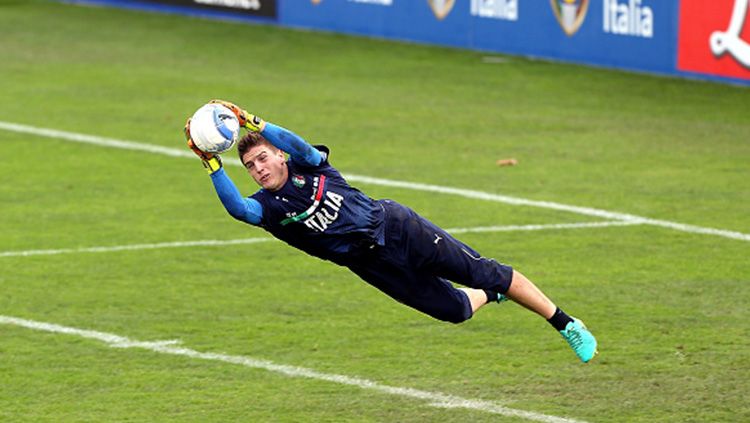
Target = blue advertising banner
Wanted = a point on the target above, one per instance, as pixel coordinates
(639, 35)
(661, 36)
(633, 34)
(397, 19)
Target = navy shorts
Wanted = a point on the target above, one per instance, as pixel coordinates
(417, 261)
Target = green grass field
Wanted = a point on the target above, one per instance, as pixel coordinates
(669, 307)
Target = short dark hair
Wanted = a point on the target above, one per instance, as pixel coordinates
(250, 140)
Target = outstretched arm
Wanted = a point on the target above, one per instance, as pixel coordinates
(244, 209)
(283, 139)
(288, 141)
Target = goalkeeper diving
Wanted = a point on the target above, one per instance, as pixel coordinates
(305, 202)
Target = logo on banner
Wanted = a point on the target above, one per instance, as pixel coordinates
(628, 18)
(729, 41)
(570, 14)
(265, 8)
(714, 38)
(234, 4)
(441, 8)
(495, 9)
(375, 2)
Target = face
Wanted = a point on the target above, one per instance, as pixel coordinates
(267, 166)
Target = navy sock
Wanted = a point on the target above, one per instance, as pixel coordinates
(559, 320)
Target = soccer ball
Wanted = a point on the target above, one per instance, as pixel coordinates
(214, 128)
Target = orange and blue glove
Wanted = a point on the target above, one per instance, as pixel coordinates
(247, 120)
(211, 161)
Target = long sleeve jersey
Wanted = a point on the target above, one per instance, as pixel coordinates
(316, 210)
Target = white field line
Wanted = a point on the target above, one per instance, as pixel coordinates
(434, 399)
(216, 243)
(553, 226)
(516, 201)
(479, 195)
(132, 247)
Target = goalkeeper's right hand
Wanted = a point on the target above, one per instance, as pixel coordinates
(212, 162)
(247, 120)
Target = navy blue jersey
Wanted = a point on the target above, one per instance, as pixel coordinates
(318, 212)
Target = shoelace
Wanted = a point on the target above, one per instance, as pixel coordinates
(574, 338)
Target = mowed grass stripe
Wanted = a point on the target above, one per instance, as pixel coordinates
(434, 399)
(473, 194)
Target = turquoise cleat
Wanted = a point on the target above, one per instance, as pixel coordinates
(580, 339)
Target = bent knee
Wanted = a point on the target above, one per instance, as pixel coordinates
(458, 319)
(455, 316)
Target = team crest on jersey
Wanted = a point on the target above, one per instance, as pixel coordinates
(298, 181)
(441, 8)
(570, 14)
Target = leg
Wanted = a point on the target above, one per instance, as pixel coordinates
(521, 291)
(575, 333)
(429, 294)
(422, 258)
(435, 251)
(477, 298)
(524, 292)
(431, 250)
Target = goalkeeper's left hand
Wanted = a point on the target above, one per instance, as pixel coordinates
(211, 161)
(247, 120)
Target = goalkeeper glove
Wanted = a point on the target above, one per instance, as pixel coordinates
(212, 162)
(251, 122)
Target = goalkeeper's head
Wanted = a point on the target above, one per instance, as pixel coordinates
(265, 163)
